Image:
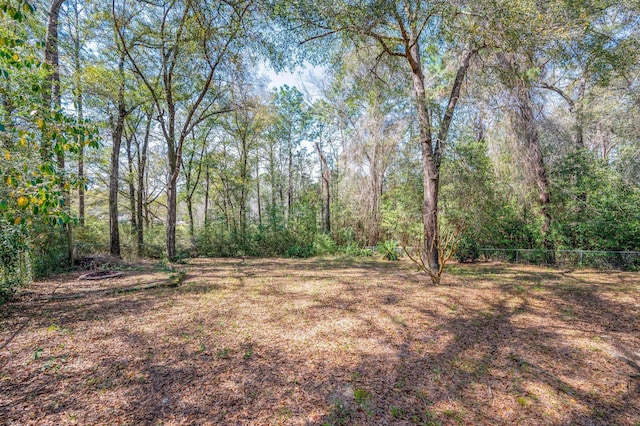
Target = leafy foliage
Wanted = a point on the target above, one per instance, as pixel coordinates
(15, 270)
(323, 244)
(34, 186)
(468, 250)
(389, 249)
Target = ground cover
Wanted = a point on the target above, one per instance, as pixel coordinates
(324, 341)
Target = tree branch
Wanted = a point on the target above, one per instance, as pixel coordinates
(560, 92)
(451, 105)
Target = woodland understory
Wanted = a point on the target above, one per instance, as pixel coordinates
(151, 129)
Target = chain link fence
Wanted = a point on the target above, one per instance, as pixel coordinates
(597, 259)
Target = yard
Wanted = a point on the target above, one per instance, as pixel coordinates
(324, 341)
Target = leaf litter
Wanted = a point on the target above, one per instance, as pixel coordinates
(326, 341)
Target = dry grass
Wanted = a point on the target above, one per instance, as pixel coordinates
(325, 341)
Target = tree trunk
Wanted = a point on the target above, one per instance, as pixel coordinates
(528, 133)
(171, 216)
(80, 112)
(174, 164)
(52, 99)
(142, 165)
(272, 178)
(206, 194)
(52, 90)
(117, 132)
(374, 231)
(189, 196)
(430, 169)
(580, 144)
(192, 230)
(258, 191)
(132, 188)
(326, 193)
(172, 205)
(244, 172)
(290, 180)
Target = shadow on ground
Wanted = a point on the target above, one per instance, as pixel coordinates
(330, 341)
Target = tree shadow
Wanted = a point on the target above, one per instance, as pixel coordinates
(385, 349)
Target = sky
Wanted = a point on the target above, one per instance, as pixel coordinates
(301, 77)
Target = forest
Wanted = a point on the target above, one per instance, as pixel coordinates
(320, 212)
(150, 129)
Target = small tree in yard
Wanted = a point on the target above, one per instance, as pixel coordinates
(448, 241)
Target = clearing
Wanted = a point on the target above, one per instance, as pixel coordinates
(324, 341)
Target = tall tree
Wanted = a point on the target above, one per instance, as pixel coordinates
(117, 122)
(196, 154)
(404, 30)
(78, 39)
(163, 44)
(52, 99)
(292, 127)
(141, 157)
(51, 93)
(325, 176)
(526, 129)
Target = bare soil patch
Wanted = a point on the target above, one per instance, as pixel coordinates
(324, 341)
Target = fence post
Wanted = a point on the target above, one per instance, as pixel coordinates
(517, 253)
(581, 253)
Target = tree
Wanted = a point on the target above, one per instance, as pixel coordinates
(326, 191)
(76, 30)
(525, 127)
(117, 131)
(33, 194)
(163, 45)
(195, 154)
(292, 127)
(400, 29)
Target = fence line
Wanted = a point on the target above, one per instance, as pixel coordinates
(599, 259)
(625, 260)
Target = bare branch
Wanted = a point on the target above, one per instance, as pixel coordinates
(328, 33)
(560, 92)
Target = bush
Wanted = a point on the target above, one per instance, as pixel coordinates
(352, 249)
(323, 244)
(155, 244)
(300, 251)
(91, 238)
(271, 240)
(537, 257)
(389, 249)
(15, 266)
(49, 250)
(467, 251)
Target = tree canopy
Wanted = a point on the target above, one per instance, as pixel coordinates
(439, 125)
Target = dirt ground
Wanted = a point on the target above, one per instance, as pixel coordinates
(324, 342)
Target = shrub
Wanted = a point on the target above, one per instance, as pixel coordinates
(323, 244)
(91, 238)
(300, 251)
(15, 267)
(467, 251)
(49, 250)
(352, 249)
(155, 242)
(388, 249)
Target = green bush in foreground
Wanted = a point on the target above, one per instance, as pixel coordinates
(15, 267)
(388, 249)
